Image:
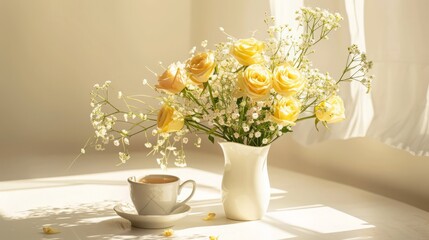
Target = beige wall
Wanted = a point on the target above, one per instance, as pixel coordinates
(239, 18)
(52, 52)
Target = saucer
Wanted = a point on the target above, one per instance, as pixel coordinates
(128, 212)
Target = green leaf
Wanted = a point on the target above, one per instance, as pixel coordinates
(211, 138)
(205, 84)
(286, 129)
(316, 121)
(325, 124)
(216, 100)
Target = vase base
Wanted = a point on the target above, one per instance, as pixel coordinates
(236, 218)
(244, 220)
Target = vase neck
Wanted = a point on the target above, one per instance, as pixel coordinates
(236, 153)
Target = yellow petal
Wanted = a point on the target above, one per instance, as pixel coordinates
(168, 233)
(49, 230)
(213, 238)
(210, 216)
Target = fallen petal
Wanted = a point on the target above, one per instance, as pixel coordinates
(49, 230)
(210, 216)
(168, 233)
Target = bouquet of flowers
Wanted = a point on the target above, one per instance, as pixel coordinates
(245, 91)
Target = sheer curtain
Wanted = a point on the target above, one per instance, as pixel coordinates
(394, 35)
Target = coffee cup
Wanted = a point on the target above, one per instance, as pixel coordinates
(157, 194)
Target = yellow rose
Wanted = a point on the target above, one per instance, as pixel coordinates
(330, 110)
(172, 80)
(286, 111)
(255, 82)
(287, 80)
(201, 67)
(167, 121)
(248, 51)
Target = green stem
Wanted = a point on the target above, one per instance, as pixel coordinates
(239, 69)
(304, 118)
(107, 101)
(142, 130)
(305, 108)
(203, 128)
(187, 93)
(346, 69)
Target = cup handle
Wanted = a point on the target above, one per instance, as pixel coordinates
(194, 185)
(132, 179)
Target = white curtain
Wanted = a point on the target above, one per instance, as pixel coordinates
(395, 36)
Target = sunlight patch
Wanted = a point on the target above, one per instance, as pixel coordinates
(320, 219)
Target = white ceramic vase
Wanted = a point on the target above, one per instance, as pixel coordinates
(245, 182)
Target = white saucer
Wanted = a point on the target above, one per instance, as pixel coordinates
(128, 212)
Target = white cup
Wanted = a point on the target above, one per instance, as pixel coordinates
(157, 194)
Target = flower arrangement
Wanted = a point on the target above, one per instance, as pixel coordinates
(245, 91)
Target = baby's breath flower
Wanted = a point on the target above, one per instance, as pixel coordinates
(124, 157)
(154, 132)
(180, 164)
(246, 128)
(160, 142)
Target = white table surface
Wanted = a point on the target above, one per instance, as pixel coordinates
(301, 207)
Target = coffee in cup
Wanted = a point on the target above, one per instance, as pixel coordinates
(157, 194)
(158, 179)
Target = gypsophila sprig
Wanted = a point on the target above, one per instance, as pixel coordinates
(244, 90)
